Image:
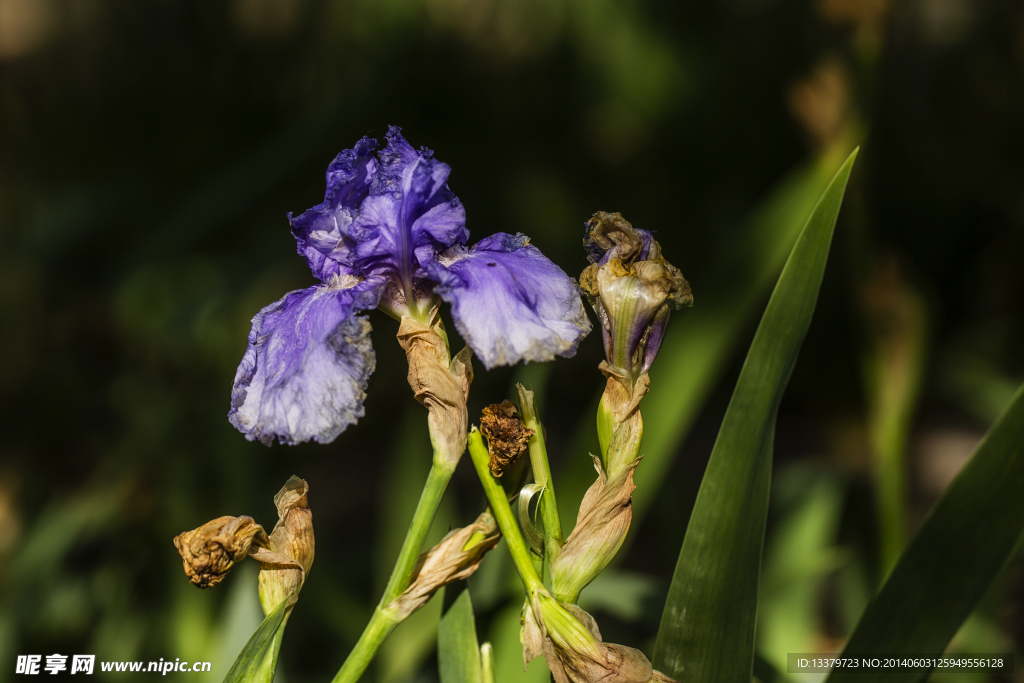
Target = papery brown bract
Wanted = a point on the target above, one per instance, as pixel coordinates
(601, 526)
(441, 384)
(456, 557)
(286, 563)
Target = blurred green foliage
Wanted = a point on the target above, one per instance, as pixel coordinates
(150, 152)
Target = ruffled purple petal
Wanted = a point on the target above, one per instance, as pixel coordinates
(509, 302)
(409, 216)
(321, 232)
(305, 371)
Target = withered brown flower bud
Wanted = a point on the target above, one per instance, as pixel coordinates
(456, 557)
(506, 434)
(209, 552)
(285, 556)
(440, 383)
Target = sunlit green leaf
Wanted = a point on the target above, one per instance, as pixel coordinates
(707, 628)
(258, 659)
(458, 654)
(959, 549)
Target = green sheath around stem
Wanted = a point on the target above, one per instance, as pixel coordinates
(541, 471)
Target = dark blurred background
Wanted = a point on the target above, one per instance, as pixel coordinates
(150, 151)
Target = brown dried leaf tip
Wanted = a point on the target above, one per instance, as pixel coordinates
(506, 434)
(209, 552)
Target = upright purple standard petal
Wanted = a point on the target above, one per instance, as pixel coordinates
(409, 215)
(304, 374)
(321, 232)
(509, 302)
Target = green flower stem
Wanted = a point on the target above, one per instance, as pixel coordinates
(440, 473)
(503, 515)
(376, 632)
(383, 620)
(541, 470)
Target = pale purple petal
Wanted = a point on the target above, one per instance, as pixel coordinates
(305, 371)
(321, 232)
(509, 302)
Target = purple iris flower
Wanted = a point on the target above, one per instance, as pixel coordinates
(391, 234)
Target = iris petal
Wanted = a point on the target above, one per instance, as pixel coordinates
(305, 371)
(321, 232)
(509, 302)
(409, 215)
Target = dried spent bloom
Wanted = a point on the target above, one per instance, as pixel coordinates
(574, 650)
(285, 556)
(456, 557)
(506, 434)
(601, 526)
(287, 560)
(439, 383)
(209, 552)
(632, 288)
(391, 234)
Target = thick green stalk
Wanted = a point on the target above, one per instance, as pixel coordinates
(440, 473)
(383, 620)
(541, 470)
(503, 514)
(376, 632)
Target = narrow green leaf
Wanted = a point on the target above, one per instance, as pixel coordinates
(966, 539)
(258, 659)
(458, 655)
(707, 628)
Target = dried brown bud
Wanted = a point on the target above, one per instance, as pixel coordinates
(456, 557)
(439, 383)
(289, 555)
(209, 552)
(506, 434)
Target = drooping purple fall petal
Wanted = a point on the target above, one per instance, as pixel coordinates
(510, 302)
(305, 371)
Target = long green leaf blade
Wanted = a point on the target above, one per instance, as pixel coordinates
(707, 628)
(458, 654)
(966, 539)
(258, 659)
